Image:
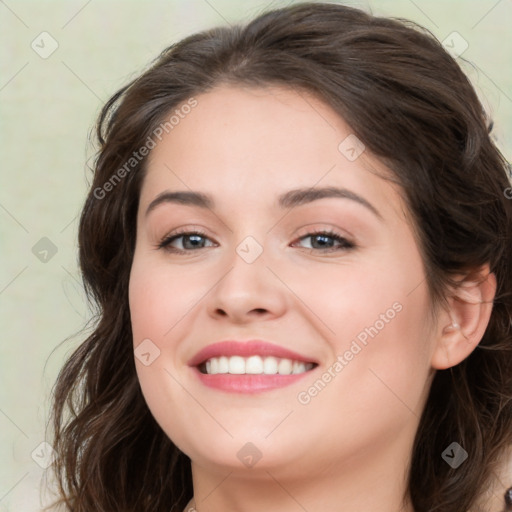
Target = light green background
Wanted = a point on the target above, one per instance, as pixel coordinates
(48, 107)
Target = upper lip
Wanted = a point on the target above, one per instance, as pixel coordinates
(246, 349)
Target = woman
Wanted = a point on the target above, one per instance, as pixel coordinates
(298, 237)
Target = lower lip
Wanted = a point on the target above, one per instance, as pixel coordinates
(248, 383)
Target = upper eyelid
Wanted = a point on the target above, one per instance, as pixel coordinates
(305, 231)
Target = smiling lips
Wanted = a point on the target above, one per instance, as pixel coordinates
(249, 367)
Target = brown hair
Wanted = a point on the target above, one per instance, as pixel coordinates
(409, 102)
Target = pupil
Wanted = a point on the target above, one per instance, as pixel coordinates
(192, 238)
(322, 237)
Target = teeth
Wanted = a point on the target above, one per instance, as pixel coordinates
(223, 365)
(236, 365)
(299, 367)
(255, 365)
(285, 367)
(270, 366)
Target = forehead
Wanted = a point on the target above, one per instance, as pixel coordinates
(255, 142)
(266, 122)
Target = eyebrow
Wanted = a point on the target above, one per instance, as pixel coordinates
(290, 199)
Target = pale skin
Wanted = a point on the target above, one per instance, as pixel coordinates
(349, 447)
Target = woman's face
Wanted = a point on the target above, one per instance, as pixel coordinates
(352, 304)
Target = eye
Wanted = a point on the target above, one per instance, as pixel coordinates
(320, 241)
(193, 238)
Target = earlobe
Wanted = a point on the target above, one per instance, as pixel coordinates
(463, 325)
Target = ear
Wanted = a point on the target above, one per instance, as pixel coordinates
(462, 326)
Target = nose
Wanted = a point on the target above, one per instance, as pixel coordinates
(249, 289)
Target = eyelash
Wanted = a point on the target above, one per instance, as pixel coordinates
(345, 244)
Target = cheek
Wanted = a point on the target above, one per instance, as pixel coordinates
(385, 356)
(378, 379)
(379, 335)
(159, 298)
(157, 304)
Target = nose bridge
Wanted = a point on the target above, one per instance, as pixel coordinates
(250, 249)
(247, 284)
(251, 234)
(247, 261)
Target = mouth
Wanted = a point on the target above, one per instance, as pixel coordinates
(249, 366)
